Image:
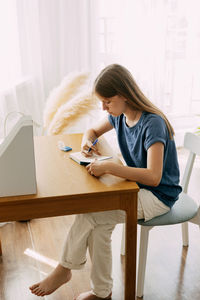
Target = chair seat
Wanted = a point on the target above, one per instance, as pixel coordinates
(183, 210)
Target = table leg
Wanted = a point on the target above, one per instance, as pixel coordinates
(131, 246)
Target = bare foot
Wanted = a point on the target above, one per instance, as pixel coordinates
(90, 296)
(57, 278)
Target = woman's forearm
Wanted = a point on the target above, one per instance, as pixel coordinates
(90, 135)
(140, 175)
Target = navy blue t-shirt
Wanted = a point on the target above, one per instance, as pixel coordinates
(134, 142)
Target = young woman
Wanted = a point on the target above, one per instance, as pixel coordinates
(145, 137)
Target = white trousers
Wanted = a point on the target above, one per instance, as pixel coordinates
(93, 231)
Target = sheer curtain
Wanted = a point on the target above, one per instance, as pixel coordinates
(9, 50)
(159, 41)
(53, 38)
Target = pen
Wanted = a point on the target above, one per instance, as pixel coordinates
(94, 143)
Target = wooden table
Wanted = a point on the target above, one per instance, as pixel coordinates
(64, 187)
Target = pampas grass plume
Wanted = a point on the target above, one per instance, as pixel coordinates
(69, 86)
(71, 111)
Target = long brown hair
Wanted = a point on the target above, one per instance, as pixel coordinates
(117, 80)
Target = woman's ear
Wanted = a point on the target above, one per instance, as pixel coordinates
(123, 98)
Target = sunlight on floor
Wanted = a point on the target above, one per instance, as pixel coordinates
(41, 258)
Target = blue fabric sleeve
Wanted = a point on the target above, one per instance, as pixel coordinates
(111, 120)
(156, 132)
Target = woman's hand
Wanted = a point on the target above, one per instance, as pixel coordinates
(97, 168)
(86, 145)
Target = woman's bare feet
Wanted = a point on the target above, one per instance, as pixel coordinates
(90, 296)
(57, 278)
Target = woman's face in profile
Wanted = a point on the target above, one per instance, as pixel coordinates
(115, 105)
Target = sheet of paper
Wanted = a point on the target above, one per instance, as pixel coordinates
(80, 158)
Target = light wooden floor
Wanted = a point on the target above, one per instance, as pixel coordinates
(31, 250)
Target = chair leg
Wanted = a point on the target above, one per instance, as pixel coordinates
(185, 233)
(123, 251)
(144, 236)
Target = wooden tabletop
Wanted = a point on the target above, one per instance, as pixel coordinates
(58, 175)
(60, 178)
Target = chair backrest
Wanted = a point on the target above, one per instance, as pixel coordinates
(192, 143)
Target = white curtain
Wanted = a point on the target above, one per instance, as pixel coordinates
(54, 37)
(9, 51)
(159, 42)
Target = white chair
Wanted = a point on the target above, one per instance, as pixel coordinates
(185, 209)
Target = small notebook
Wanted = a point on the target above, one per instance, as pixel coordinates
(82, 160)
